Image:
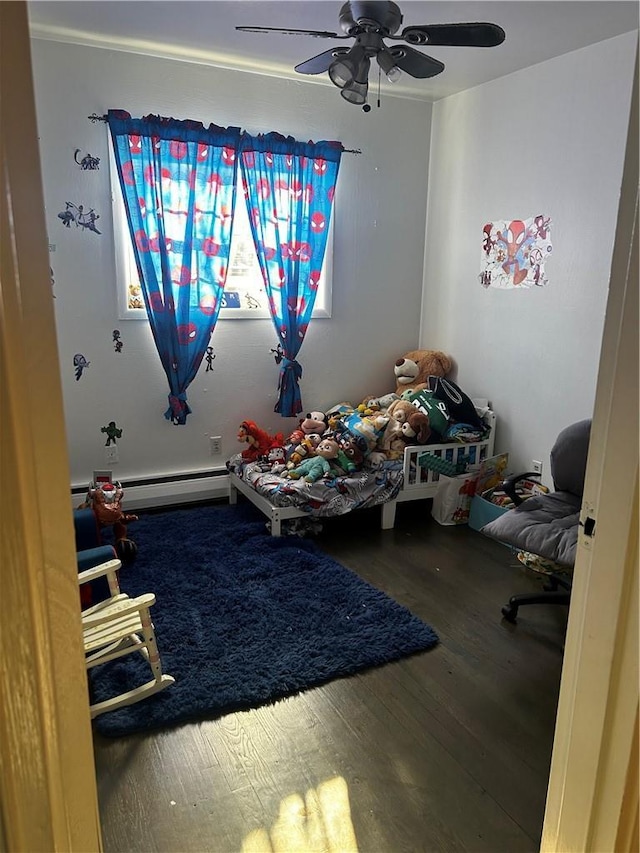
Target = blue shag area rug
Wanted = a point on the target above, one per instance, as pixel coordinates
(243, 618)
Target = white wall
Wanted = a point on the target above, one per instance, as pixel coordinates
(547, 140)
(378, 260)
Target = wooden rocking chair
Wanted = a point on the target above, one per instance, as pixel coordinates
(119, 626)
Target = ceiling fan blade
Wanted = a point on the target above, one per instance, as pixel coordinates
(416, 64)
(320, 63)
(322, 34)
(454, 35)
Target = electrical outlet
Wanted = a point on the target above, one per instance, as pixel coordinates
(215, 444)
(536, 466)
(111, 454)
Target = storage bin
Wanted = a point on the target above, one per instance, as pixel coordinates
(483, 511)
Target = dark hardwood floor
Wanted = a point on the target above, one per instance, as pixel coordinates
(444, 751)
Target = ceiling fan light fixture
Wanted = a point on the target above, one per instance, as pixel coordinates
(355, 93)
(345, 69)
(341, 72)
(387, 62)
(394, 74)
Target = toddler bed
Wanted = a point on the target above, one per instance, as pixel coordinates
(386, 485)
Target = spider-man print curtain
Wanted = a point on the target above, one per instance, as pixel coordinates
(289, 188)
(178, 181)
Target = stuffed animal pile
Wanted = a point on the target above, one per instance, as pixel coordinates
(260, 442)
(424, 408)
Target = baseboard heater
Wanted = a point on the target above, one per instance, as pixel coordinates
(169, 490)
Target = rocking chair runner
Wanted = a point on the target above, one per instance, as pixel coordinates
(119, 626)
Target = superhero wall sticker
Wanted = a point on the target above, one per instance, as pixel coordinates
(117, 341)
(76, 213)
(88, 162)
(112, 432)
(514, 253)
(80, 363)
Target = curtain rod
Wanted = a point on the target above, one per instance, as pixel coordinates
(94, 117)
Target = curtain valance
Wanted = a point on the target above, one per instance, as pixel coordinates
(120, 122)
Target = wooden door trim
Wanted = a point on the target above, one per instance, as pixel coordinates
(591, 770)
(47, 786)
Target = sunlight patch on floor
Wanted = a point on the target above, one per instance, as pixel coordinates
(319, 823)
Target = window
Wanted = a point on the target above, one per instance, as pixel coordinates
(244, 295)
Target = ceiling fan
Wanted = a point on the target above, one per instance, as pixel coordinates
(369, 23)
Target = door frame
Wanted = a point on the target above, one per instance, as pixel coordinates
(48, 784)
(592, 800)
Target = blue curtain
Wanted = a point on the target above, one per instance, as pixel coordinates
(289, 188)
(178, 181)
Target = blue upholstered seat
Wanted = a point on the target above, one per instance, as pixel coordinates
(91, 552)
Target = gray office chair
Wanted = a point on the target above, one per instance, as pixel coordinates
(547, 525)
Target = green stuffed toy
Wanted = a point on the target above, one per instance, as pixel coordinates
(316, 466)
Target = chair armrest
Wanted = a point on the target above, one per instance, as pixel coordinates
(135, 605)
(111, 567)
(90, 557)
(508, 486)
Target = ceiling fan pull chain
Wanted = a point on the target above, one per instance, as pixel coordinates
(379, 75)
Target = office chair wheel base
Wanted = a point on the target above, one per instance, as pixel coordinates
(510, 613)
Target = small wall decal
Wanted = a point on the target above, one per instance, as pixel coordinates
(88, 162)
(80, 363)
(85, 219)
(117, 343)
(252, 302)
(278, 353)
(112, 432)
(514, 252)
(209, 357)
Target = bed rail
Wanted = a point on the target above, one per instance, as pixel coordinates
(417, 476)
(422, 482)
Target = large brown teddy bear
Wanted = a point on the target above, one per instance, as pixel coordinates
(413, 369)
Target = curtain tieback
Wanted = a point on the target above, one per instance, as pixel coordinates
(289, 366)
(178, 409)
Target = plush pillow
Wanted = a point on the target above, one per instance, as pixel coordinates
(459, 406)
(367, 431)
(544, 524)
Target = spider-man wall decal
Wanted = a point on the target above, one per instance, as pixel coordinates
(278, 353)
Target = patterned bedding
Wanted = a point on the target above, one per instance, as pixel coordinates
(326, 497)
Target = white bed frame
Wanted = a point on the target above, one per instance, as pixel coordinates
(418, 482)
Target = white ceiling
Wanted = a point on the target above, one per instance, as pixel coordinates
(205, 32)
